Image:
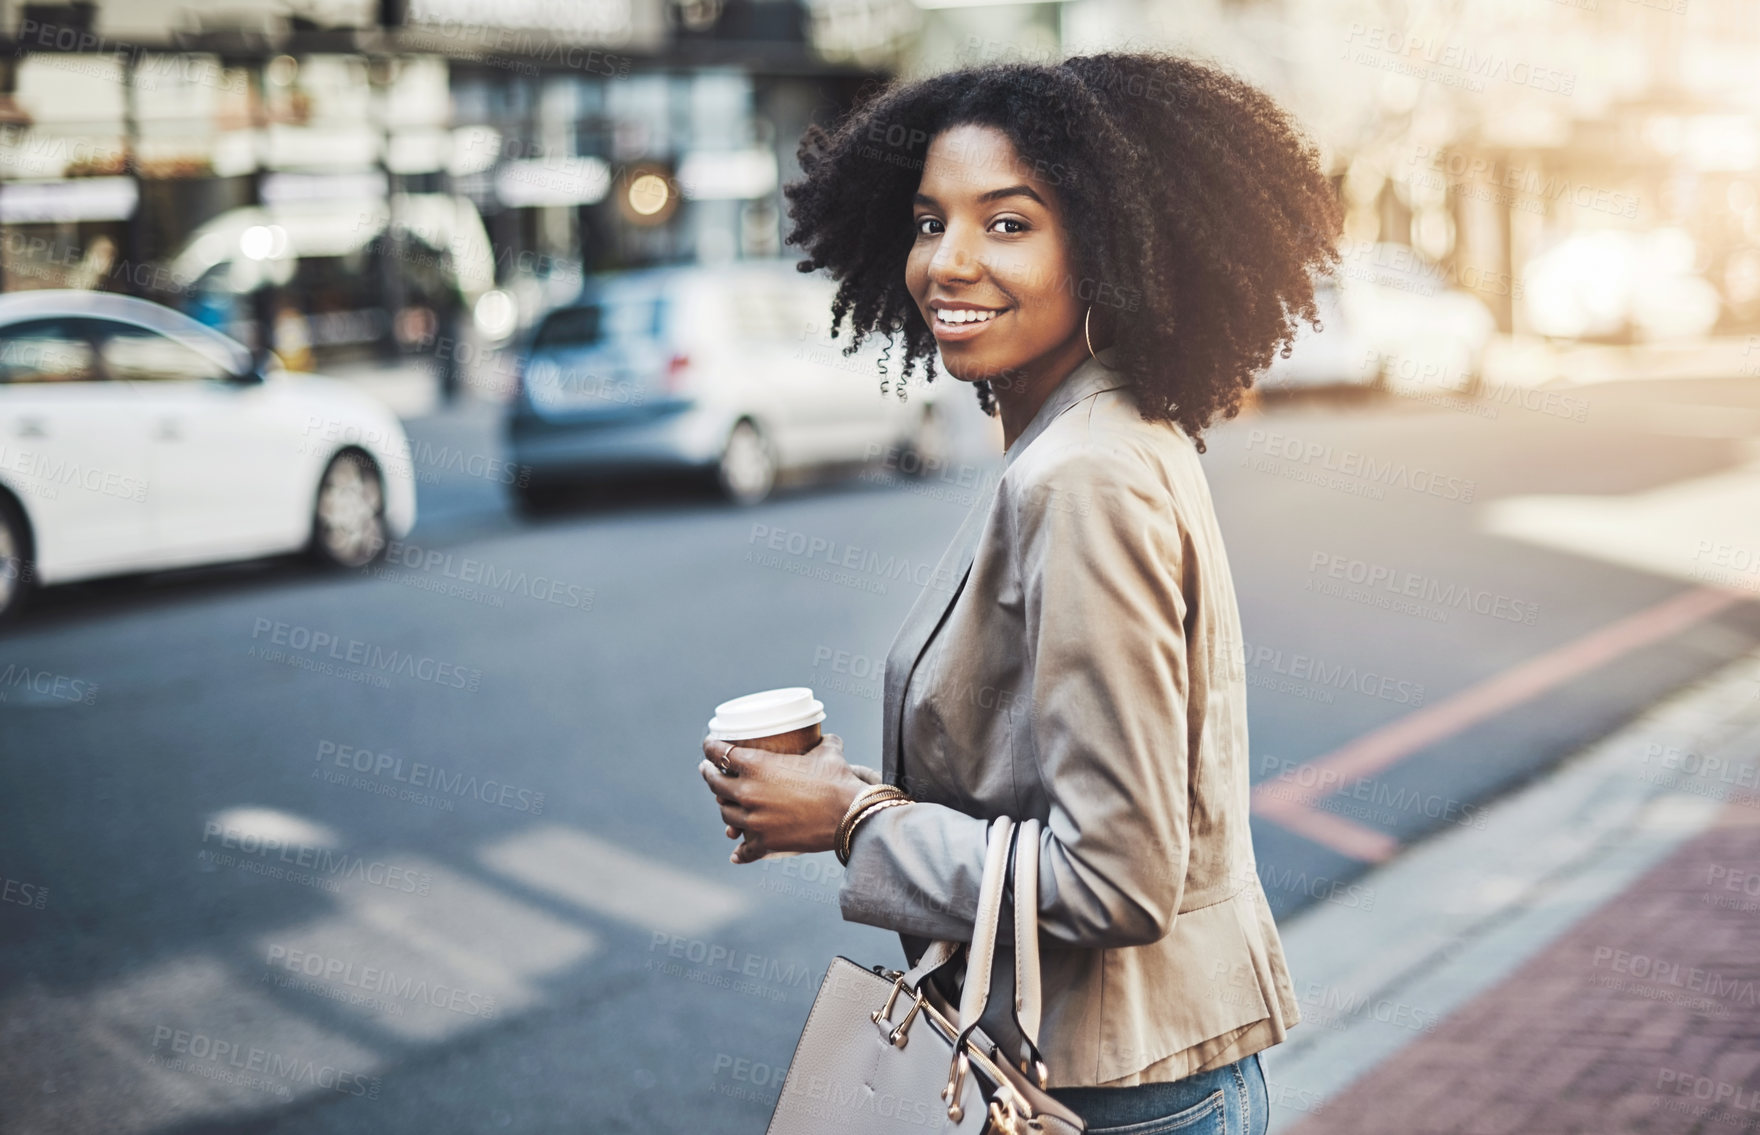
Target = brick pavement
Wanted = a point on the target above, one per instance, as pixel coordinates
(1644, 1018)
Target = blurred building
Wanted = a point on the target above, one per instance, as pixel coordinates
(360, 177)
(358, 173)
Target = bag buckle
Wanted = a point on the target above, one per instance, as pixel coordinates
(1003, 1118)
(897, 1035)
(885, 1011)
(956, 1079)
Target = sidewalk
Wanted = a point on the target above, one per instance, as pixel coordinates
(1586, 961)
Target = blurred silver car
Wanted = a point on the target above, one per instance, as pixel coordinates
(727, 369)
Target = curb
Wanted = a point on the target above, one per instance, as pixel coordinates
(1454, 915)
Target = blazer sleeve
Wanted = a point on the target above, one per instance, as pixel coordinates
(1101, 557)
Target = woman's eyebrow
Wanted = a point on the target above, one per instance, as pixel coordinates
(987, 196)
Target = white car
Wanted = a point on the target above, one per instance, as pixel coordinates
(1335, 357)
(727, 369)
(1392, 320)
(1429, 333)
(132, 438)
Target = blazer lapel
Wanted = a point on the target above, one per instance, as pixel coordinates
(926, 615)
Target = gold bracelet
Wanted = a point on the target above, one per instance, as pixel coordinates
(861, 801)
(880, 806)
(849, 835)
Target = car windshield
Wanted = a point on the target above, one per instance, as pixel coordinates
(589, 324)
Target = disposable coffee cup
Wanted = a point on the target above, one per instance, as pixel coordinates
(777, 721)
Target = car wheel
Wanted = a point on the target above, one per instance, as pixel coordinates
(747, 471)
(930, 446)
(15, 573)
(348, 524)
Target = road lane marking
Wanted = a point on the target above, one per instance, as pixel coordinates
(608, 880)
(1292, 805)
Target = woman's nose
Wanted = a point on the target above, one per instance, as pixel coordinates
(955, 261)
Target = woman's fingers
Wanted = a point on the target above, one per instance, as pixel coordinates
(724, 755)
(735, 816)
(723, 786)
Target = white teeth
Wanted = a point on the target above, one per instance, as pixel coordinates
(950, 315)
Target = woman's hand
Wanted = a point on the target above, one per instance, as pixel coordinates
(780, 801)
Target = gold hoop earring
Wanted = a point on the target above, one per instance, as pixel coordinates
(1085, 334)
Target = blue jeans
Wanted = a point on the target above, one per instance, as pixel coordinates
(1230, 1100)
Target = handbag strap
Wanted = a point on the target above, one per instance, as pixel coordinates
(1003, 854)
(982, 956)
(1026, 932)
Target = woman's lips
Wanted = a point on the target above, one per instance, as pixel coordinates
(957, 332)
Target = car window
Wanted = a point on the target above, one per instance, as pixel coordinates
(591, 324)
(137, 354)
(47, 350)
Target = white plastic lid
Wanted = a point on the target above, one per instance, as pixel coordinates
(766, 714)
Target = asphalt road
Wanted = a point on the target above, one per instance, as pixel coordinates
(458, 873)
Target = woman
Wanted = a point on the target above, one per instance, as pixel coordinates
(1108, 250)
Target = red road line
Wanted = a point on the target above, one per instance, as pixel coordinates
(1345, 836)
(1291, 803)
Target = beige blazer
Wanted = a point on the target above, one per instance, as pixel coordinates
(1077, 657)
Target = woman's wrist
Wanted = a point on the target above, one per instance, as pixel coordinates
(874, 798)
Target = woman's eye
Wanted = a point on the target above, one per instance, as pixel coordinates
(922, 220)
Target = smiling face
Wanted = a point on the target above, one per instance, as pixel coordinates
(990, 268)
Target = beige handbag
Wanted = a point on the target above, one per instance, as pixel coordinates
(881, 1052)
